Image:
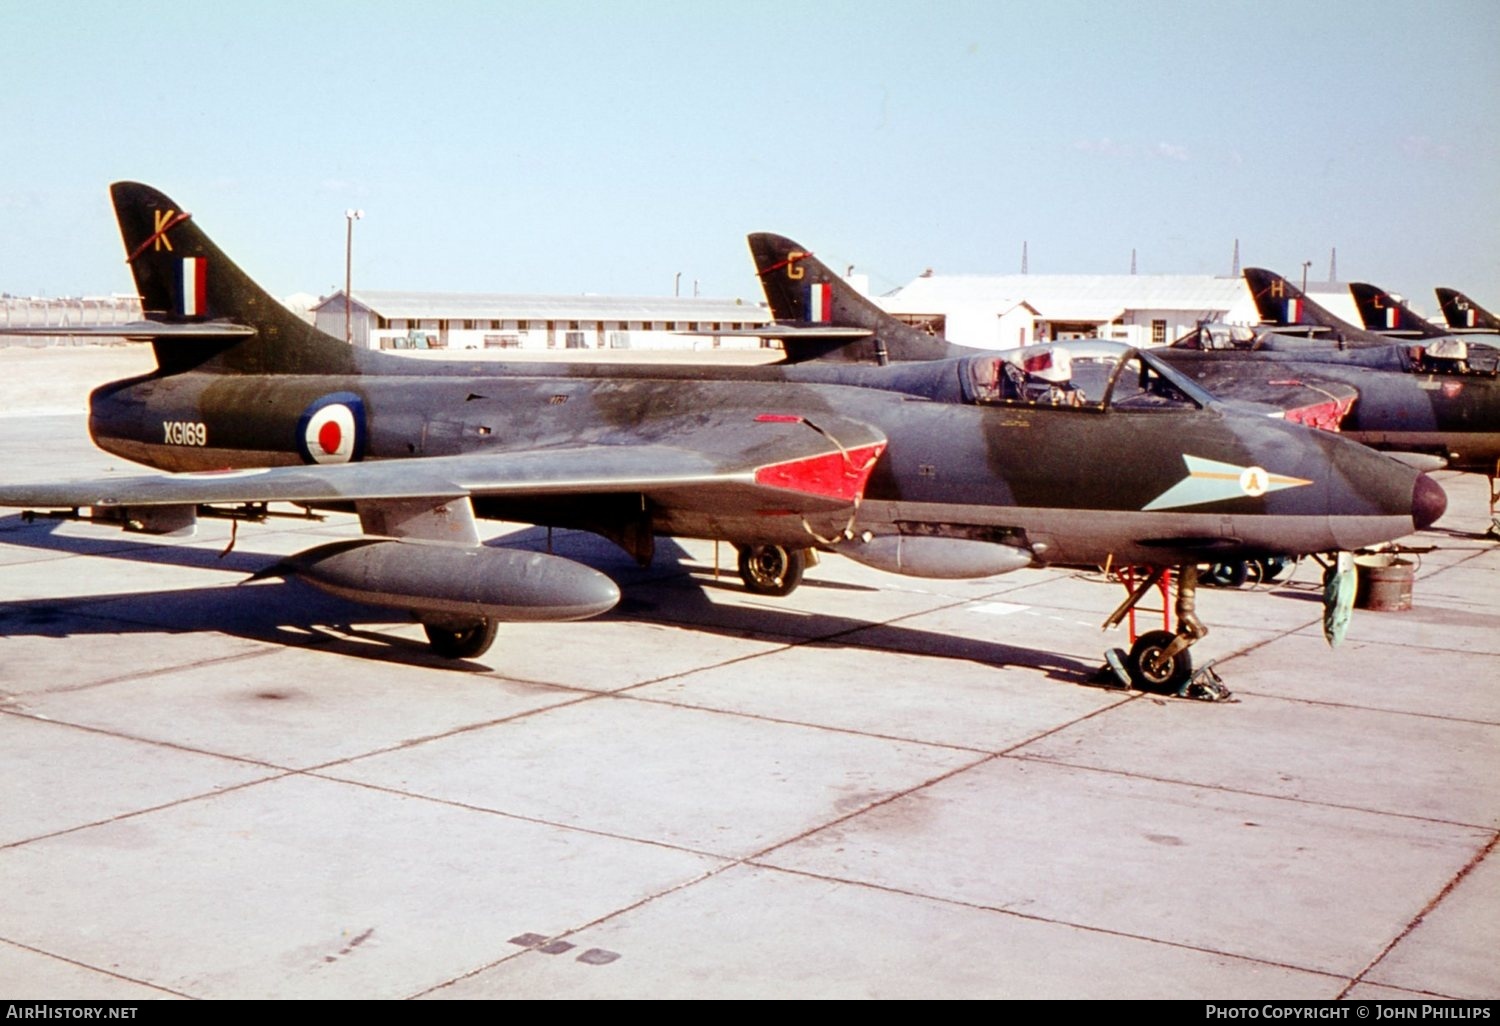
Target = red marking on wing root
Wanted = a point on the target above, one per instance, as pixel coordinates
(1323, 416)
(836, 475)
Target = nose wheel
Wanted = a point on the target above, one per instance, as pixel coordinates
(1150, 666)
(1159, 660)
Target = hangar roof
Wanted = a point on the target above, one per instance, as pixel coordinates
(1081, 297)
(494, 306)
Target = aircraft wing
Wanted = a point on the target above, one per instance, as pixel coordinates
(786, 462)
(1303, 398)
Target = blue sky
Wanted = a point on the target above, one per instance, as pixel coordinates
(605, 147)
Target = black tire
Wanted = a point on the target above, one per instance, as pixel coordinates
(1273, 567)
(771, 569)
(1149, 673)
(461, 642)
(1227, 575)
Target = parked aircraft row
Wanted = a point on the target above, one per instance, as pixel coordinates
(1434, 401)
(871, 440)
(1398, 383)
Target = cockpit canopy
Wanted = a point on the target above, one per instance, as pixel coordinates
(1453, 355)
(1086, 374)
(1218, 337)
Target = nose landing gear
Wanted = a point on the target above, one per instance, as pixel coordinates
(1159, 660)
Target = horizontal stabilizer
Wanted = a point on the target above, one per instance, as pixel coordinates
(136, 330)
(790, 332)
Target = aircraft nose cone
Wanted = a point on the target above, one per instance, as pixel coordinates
(1428, 502)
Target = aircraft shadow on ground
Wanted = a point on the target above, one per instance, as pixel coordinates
(278, 612)
(676, 589)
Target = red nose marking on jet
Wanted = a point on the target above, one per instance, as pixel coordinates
(329, 437)
(1428, 502)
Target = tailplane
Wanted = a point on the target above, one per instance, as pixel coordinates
(1463, 314)
(205, 312)
(820, 316)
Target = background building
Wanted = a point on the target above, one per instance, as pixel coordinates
(458, 321)
(1008, 310)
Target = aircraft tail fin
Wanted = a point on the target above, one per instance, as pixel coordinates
(823, 317)
(1462, 313)
(190, 288)
(1385, 313)
(1283, 305)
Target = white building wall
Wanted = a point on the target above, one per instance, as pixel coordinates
(982, 327)
(977, 326)
(574, 330)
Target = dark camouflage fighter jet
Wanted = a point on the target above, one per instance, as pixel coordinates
(1393, 318)
(1425, 392)
(953, 468)
(1409, 399)
(1465, 315)
(1410, 387)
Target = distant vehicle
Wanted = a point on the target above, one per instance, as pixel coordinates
(954, 468)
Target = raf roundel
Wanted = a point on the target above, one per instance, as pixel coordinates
(332, 429)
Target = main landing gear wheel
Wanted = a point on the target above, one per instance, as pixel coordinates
(464, 642)
(1150, 672)
(1229, 575)
(771, 569)
(1248, 571)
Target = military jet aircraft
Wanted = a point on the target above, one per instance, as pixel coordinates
(819, 316)
(1288, 311)
(1465, 315)
(953, 468)
(1439, 400)
(1435, 394)
(1391, 317)
(1340, 376)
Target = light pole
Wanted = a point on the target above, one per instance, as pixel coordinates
(351, 216)
(1305, 265)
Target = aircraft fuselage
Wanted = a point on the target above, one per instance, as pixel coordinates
(1400, 408)
(1068, 486)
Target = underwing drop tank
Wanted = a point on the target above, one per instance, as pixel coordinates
(454, 580)
(928, 556)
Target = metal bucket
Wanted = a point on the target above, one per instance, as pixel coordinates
(1384, 582)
